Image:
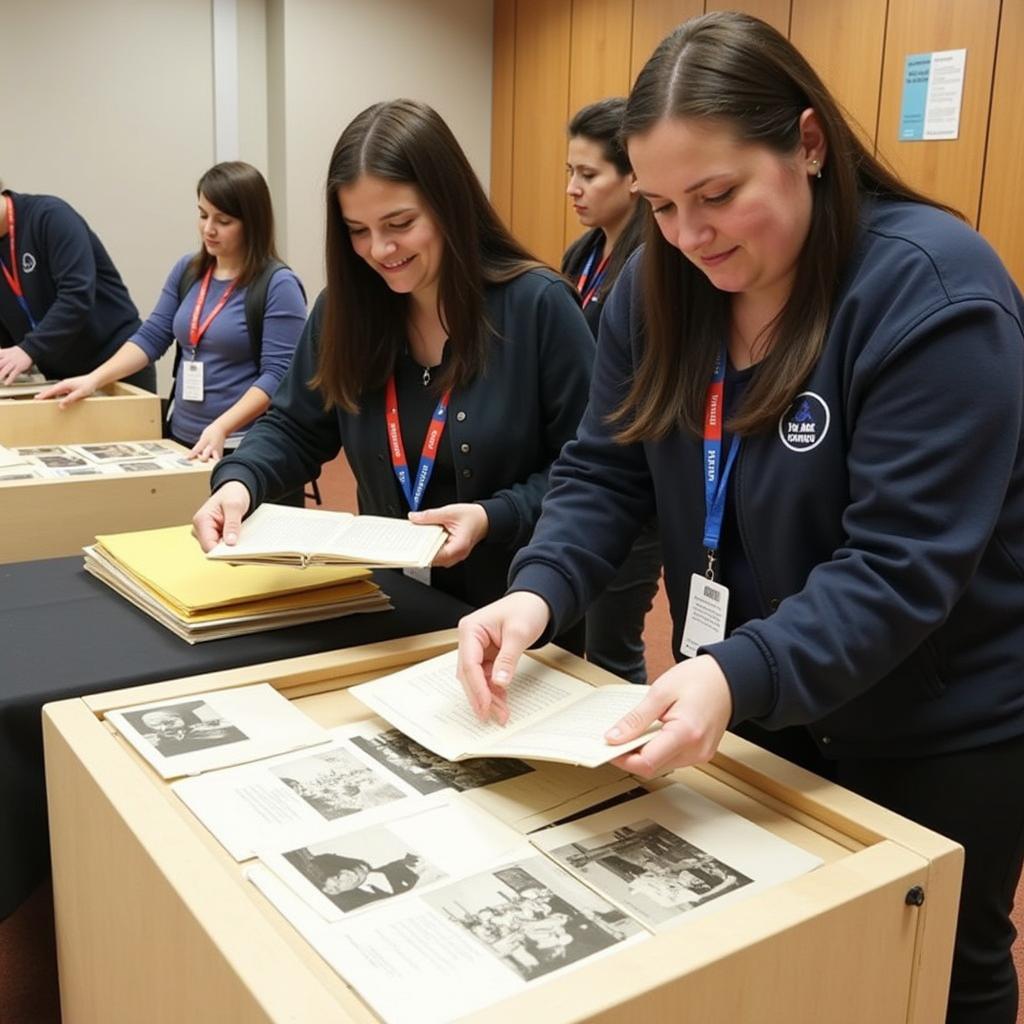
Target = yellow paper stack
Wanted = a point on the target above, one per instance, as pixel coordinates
(165, 573)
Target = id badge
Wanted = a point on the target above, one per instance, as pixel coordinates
(420, 575)
(705, 614)
(193, 380)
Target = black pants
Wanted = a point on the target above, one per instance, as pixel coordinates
(975, 797)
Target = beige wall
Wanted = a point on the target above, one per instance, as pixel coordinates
(110, 104)
(437, 51)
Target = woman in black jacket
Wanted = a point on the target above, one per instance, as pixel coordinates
(432, 315)
(602, 190)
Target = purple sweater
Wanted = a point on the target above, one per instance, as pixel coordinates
(228, 368)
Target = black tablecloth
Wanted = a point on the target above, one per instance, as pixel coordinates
(65, 634)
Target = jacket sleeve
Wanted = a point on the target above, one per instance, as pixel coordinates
(289, 444)
(72, 266)
(935, 433)
(565, 359)
(600, 493)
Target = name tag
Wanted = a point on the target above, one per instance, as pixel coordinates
(705, 614)
(419, 575)
(192, 380)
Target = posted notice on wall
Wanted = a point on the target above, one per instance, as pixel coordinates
(933, 89)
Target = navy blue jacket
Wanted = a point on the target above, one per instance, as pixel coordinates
(883, 520)
(81, 307)
(504, 429)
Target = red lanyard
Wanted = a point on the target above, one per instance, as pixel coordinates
(589, 294)
(196, 330)
(12, 275)
(413, 491)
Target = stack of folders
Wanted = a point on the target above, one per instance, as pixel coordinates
(165, 573)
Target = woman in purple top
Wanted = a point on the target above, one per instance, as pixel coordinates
(220, 388)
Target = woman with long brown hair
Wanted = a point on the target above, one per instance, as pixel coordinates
(815, 374)
(224, 376)
(435, 324)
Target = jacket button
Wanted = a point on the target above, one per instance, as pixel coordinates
(773, 603)
(380, 456)
(826, 740)
(465, 448)
(467, 473)
(392, 510)
(460, 416)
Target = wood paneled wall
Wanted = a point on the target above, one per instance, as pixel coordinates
(553, 56)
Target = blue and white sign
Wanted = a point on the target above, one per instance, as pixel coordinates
(933, 88)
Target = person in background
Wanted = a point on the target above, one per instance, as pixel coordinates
(817, 374)
(224, 380)
(602, 190)
(63, 305)
(449, 364)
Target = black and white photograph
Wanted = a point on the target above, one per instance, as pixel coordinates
(111, 451)
(335, 784)
(428, 772)
(21, 474)
(654, 873)
(364, 867)
(532, 917)
(155, 447)
(39, 451)
(62, 461)
(82, 471)
(183, 728)
(149, 466)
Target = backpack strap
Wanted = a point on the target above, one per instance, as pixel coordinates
(256, 305)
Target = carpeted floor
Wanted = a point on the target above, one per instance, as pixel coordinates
(28, 976)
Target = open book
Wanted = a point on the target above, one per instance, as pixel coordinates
(279, 535)
(552, 715)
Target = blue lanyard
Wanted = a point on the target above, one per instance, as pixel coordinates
(413, 492)
(716, 476)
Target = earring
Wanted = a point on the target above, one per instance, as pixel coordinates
(816, 165)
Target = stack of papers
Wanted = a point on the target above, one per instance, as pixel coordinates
(165, 573)
(280, 535)
(25, 385)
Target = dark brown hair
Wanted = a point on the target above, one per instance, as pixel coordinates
(733, 70)
(364, 323)
(601, 123)
(239, 190)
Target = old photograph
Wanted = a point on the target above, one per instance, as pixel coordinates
(335, 784)
(183, 728)
(654, 873)
(427, 772)
(21, 474)
(62, 461)
(111, 451)
(149, 466)
(532, 917)
(39, 451)
(364, 867)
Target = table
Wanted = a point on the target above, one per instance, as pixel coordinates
(65, 634)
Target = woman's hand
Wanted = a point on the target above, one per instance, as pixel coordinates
(694, 703)
(13, 361)
(73, 389)
(210, 446)
(490, 643)
(466, 525)
(220, 517)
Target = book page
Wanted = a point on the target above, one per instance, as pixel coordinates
(278, 529)
(673, 855)
(189, 735)
(576, 733)
(377, 540)
(465, 945)
(426, 702)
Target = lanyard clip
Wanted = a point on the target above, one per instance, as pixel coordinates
(709, 572)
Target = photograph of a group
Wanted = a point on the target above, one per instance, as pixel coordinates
(652, 872)
(183, 728)
(335, 784)
(532, 917)
(428, 772)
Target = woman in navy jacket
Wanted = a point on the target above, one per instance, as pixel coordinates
(864, 350)
(427, 294)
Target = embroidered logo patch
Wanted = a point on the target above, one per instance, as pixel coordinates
(28, 263)
(804, 425)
